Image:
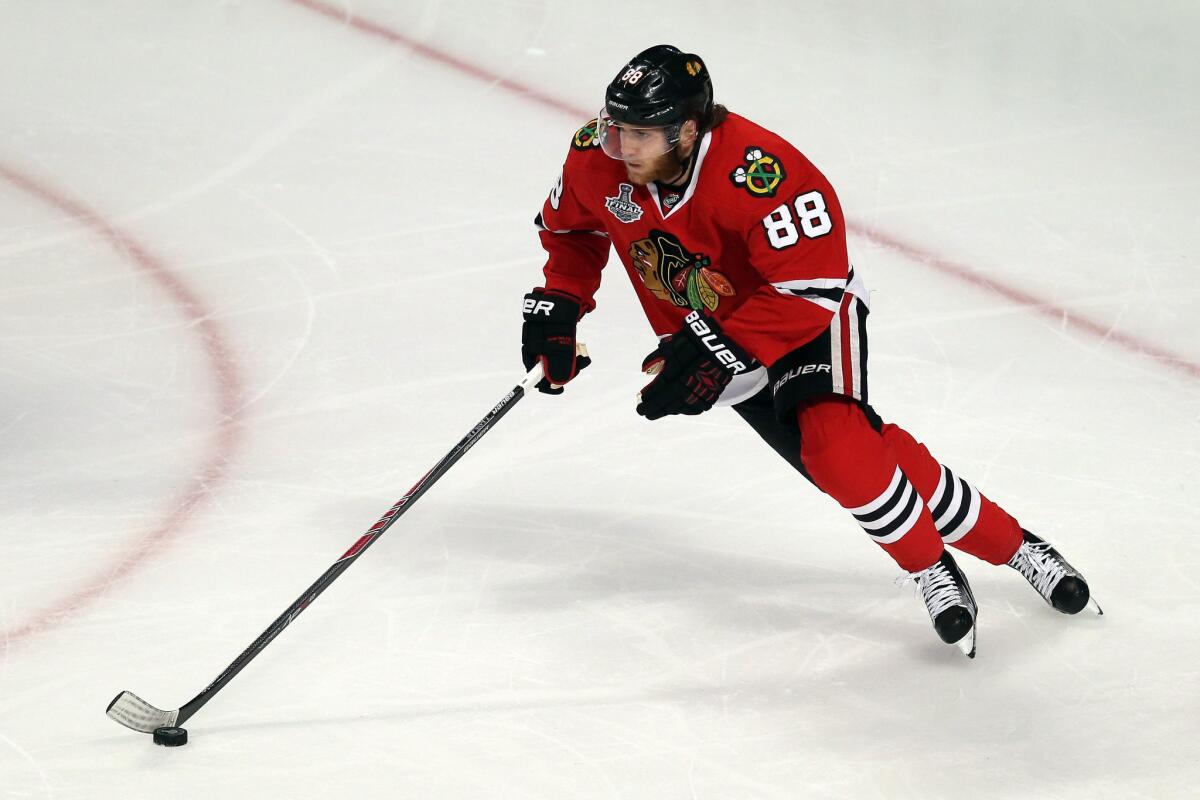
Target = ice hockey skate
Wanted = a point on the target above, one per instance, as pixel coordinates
(950, 603)
(1056, 581)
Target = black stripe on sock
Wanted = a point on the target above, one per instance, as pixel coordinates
(947, 495)
(900, 519)
(883, 510)
(963, 508)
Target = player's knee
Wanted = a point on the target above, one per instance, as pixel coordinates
(842, 452)
(829, 468)
(899, 439)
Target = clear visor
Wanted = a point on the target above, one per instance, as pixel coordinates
(634, 142)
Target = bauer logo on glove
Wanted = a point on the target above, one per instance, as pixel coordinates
(724, 354)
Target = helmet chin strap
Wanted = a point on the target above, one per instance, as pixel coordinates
(685, 167)
(685, 164)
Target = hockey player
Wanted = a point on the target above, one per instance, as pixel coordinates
(736, 247)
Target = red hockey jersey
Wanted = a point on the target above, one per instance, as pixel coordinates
(756, 241)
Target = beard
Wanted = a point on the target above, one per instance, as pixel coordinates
(645, 171)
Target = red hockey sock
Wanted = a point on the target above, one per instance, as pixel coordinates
(849, 461)
(965, 519)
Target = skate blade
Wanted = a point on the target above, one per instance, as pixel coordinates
(1095, 607)
(967, 643)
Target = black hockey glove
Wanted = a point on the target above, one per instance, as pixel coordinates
(549, 335)
(694, 366)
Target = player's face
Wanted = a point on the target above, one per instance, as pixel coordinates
(644, 151)
(645, 169)
(649, 153)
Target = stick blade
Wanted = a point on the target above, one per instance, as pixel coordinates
(136, 714)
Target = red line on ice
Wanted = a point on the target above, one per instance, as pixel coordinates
(225, 434)
(1031, 301)
(363, 25)
(945, 266)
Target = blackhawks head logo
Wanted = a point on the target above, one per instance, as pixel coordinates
(586, 137)
(673, 274)
(762, 176)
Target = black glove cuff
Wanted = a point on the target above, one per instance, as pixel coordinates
(549, 334)
(548, 307)
(710, 340)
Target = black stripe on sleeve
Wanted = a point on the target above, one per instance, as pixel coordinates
(833, 295)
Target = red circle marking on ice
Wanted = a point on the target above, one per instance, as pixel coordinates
(226, 374)
(225, 433)
(945, 266)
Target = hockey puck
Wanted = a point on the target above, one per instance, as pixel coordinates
(170, 737)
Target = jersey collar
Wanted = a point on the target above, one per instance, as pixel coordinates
(691, 187)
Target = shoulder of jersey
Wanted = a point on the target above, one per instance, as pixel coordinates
(585, 143)
(755, 167)
(585, 155)
(586, 139)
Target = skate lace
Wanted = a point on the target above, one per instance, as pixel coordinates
(938, 589)
(1040, 568)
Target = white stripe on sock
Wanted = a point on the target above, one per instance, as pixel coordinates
(907, 526)
(875, 504)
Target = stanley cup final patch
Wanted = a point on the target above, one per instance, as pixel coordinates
(622, 206)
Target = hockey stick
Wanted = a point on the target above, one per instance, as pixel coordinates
(135, 713)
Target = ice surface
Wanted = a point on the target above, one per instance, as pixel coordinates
(261, 269)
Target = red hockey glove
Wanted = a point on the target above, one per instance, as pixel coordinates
(694, 367)
(549, 335)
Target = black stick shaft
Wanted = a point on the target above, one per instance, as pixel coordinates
(359, 547)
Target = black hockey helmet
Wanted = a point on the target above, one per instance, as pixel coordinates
(661, 85)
